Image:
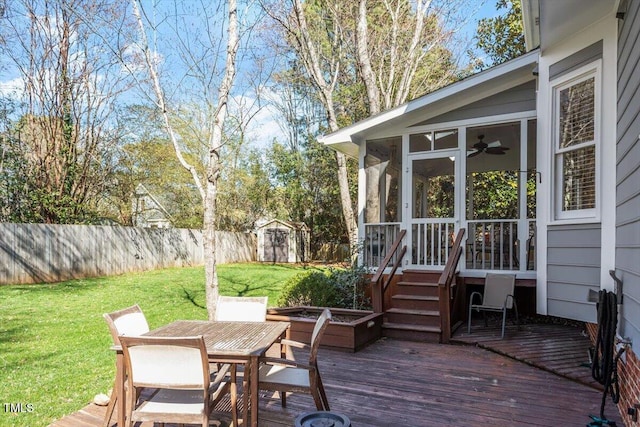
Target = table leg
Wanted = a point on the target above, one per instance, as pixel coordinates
(234, 395)
(253, 383)
(119, 389)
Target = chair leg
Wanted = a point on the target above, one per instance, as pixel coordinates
(504, 320)
(283, 398)
(323, 394)
(515, 309)
(110, 407)
(469, 321)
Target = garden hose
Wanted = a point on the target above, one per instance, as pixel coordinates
(604, 367)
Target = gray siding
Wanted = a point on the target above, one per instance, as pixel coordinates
(573, 267)
(628, 174)
(517, 99)
(577, 60)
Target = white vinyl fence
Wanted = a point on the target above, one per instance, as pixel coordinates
(41, 253)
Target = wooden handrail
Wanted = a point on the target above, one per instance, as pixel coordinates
(387, 259)
(377, 290)
(444, 286)
(452, 261)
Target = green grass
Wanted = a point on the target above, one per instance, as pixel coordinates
(54, 343)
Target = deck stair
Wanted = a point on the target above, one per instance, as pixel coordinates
(413, 313)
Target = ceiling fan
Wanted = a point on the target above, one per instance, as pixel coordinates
(494, 147)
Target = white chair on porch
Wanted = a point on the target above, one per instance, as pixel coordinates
(497, 297)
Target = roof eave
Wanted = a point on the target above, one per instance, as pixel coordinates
(531, 24)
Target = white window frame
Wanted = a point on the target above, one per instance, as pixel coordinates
(592, 70)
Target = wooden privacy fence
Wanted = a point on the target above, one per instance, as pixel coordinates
(41, 253)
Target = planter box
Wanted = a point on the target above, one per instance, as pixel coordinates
(349, 330)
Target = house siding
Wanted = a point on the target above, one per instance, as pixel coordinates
(573, 268)
(628, 201)
(575, 61)
(518, 99)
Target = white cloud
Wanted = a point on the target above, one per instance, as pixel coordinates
(265, 127)
(12, 88)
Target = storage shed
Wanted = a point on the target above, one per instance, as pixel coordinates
(283, 241)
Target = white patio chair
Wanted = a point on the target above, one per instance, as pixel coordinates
(241, 309)
(497, 297)
(179, 369)
(286, 375)
(129, 321)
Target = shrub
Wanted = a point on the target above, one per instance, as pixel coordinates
(350, 284)
(312, 288)
(339, 288)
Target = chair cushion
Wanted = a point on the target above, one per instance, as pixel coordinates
(278, 374)
(182, 402)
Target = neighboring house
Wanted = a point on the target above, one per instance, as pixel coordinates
(283, 241)
(568, 112)
(147, 211)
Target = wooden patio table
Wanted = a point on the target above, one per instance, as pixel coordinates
(227, 342)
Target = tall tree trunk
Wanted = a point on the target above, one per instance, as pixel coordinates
(364, 61)
(213, 168)
(311, 60)
(209, 190)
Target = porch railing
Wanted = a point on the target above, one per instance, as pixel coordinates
(378, 288)
(496, 245)
(431, 241)
(377, 242)
(445, 285)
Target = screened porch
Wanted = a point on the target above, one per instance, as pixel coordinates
(432, 182)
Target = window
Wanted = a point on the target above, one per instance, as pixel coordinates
(429, 141)
(575, 141)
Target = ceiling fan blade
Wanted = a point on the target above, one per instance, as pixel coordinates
(479, 146)
(495, 150)
(473, 153)
(494, 144)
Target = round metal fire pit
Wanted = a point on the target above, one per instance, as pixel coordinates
(322, 419)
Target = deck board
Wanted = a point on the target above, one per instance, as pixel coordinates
(401, 383)
(561, 349)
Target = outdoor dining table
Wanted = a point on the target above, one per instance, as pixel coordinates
(227, 342)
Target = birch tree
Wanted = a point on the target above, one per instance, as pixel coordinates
(394, 49)
(218, 113)
(401, 48)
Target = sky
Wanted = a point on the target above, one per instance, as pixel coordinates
(265, 126)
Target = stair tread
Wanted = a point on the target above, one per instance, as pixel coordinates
(425, 272)
(407, 327)
(411, 283)
(416, 297)
(414, 311)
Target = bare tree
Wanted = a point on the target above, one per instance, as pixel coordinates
(324, 68)
(218, 114)
(406, 56)
(70, 91)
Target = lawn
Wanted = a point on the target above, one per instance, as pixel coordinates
(54, 343)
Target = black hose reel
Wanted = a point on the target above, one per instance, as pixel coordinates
(604, 366)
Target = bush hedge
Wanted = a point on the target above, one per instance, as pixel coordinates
(338, 288)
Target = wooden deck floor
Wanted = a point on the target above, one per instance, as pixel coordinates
(561, 349)
(399, 383)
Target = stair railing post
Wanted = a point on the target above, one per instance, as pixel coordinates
(376, 296)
